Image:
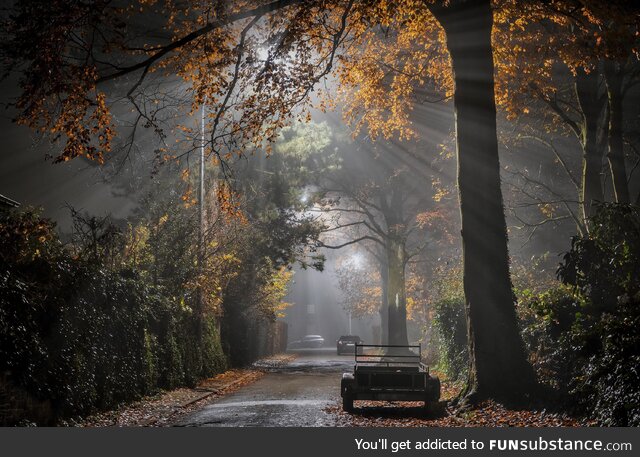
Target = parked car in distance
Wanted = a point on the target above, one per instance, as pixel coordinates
(307, 341)
(346, 344)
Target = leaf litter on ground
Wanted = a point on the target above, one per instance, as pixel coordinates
(412, 414)
(166, 407)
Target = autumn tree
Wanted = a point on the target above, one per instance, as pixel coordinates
(576, 88)
(614, 29)
(499, 367)
(371, 200)
(368, 201)
(255, 65)
(360, 284)
(498, 364)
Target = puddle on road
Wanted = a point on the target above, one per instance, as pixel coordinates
(312, 366)
(242, 404)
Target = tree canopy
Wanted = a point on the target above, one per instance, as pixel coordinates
(95, 74)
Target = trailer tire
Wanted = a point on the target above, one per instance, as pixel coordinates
(433, 389)
(435, 408)
(347, 403)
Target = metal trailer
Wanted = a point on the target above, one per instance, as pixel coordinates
(389, 372)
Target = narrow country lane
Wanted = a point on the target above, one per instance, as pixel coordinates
(294, 395)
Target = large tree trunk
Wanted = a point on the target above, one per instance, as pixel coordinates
(384, 306)
(613, 76)
(591, 106)
(396, 295)
(498, 363)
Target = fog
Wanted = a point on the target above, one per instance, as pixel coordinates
(316, 308)
(315, 296)
(317, 300)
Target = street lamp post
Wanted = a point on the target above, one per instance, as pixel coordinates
(201, 253)
(201, 221)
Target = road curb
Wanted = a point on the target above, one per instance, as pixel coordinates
(210, 392)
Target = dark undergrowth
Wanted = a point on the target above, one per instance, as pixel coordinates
(582, 333)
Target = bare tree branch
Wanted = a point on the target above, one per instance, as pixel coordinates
(165, 50)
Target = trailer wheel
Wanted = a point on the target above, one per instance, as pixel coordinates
(433, 389)
(347, 403)
(434, 408)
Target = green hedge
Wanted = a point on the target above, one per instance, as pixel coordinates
(77, 337)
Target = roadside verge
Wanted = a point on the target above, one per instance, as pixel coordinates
(167, 407)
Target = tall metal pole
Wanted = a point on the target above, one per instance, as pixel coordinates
(201, 253)
(201, 245)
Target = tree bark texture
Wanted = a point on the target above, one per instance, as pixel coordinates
(615, 154)
(591, 106)
(384, 306)
(396, 293)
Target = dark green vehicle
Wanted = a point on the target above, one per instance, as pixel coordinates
(392, 373)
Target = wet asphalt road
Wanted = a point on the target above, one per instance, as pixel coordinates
(291, 396)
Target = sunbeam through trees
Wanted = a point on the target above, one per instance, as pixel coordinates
(456, 176)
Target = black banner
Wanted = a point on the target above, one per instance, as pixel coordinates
(318, 442)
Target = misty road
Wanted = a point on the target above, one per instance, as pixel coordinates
(293, 395)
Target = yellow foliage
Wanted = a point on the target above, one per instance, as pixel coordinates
(256, 76)
(273, 293)
(382, 73)
(547, 210)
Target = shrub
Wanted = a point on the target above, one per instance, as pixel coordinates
(451, 337)
(585, 334)
(546, 320)
(610, 382)
(604, 266)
